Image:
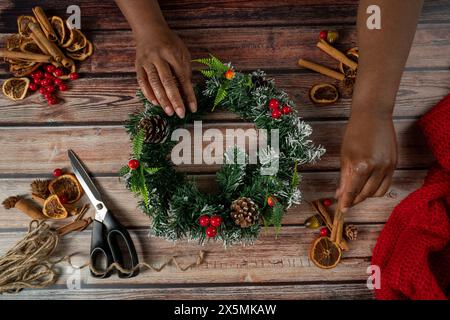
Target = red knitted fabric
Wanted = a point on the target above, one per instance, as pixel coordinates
(413, 250)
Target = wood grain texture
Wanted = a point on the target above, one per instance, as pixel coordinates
(111, 99)
(33, 150)
(341, 291)
(205, 13)
(314, 185)
(268, 49)
(271, 259)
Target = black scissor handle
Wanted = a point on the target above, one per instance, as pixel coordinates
(101, 257)
(115, 233)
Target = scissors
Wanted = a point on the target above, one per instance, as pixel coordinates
(110, 241)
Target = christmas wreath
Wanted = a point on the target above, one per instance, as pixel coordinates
(246, 199)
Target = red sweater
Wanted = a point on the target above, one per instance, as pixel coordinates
(413, 250)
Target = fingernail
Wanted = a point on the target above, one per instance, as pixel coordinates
(154, 102)
(193, 106)
(169, 111)
(180, 112)
(344, 210)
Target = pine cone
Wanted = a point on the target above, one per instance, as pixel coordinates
(156, 129)
(10, 202)
(40, 188)
(244, 212)
(351, 232)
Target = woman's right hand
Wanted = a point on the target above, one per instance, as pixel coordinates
(163, 67)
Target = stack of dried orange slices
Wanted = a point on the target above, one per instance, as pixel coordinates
(43, 49)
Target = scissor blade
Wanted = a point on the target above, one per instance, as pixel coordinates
(84, 179)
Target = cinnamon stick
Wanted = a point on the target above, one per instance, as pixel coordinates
(321, 69)
(39, 43)
(336, 54)
(51, 47)
(72, 226)
(45, 24)
(24, 205)
(35, 57)
(328, 221)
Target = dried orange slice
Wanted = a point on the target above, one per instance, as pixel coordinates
(22, 25)
(28, 45)
(66, 185)
(13, 42)
(78, 40)
(23, 68)
(15, 88)
(53, 208)
(353, 54)
(323, 94)
(82, 54)
(60, 29)
(325, 253)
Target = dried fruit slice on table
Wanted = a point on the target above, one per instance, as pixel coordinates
(325, 253)
(53, 208)
(68, 186)
(82, 54)
(14, 42)
(78, 41)
(324, 94)
(22, 68)
(353, 54)
(28, 45)
(62, 33)
(22, 25)
(15, 88)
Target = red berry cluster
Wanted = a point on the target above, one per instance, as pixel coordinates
(47, 81)
(211, 224)
(274, 106)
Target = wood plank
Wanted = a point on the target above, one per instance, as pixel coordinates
(315, 185)
(34, 150)
(205, 13)
(341, 291)
(282, 259)
(269, 48)
(111, 99)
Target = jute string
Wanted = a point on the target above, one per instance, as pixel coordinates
(29, 265)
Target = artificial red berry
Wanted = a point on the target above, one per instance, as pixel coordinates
(216, 221)
(58, 81)
(276, 114)
(229, 74)
(52, 100)
(74, 76)
(323, 232)
(33, 86)
(211, 232)
(58, 72)
(323, 34)
(48, 95)
(270, 201)
(48, 76)
(42, 90)
(327, 202)
(46, 82)
(63, 87)
(49, 89)
(63, 199)
(50, 68)
(37, 74)
(204, 220)
(286, 110)
(133, 164)
(57, 172)
(274, 104)
(37, 81)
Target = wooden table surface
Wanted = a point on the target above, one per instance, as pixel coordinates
(270, 35)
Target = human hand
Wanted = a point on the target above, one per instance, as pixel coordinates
(163, 67)
(368, 158)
